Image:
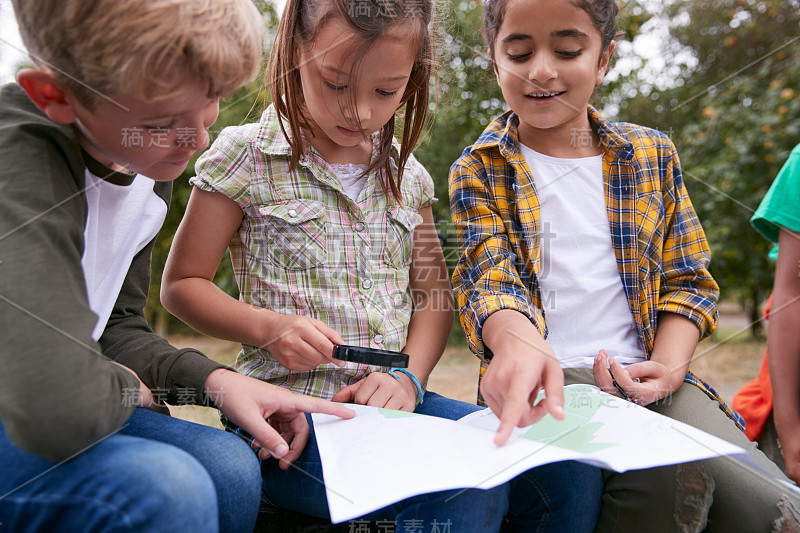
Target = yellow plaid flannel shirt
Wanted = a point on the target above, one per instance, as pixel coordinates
(660, 247)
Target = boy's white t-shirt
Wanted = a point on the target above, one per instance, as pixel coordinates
(121, 220)
(582, 294)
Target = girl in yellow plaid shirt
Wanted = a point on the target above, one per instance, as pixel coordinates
(582, 261)
(329, 225)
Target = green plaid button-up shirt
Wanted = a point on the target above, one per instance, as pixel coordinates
(306, 248)
(660, 247)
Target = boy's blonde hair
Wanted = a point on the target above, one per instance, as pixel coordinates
(142, 47)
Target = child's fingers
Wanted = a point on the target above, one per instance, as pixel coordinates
(306, 404)
(514, 407)
(367, 389)
(399, 404)
(390, 393)
(601, 376)
(270, 442)
(347, 394)
(643, 370)
(492, 401)
(325, 341)
(317, 347)
(642, 382)
(297, 443)
(534, 414)
(554, 392)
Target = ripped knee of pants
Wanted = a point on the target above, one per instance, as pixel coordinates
(789, 520)
(695, 492)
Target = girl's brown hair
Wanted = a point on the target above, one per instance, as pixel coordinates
(369, 20)
(603, 14)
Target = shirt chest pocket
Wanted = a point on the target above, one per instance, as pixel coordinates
(649, 233)
(401, 222)
(292, 234)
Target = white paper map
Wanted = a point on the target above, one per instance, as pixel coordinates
(383, 456)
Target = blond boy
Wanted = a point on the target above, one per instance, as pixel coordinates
(120, 100)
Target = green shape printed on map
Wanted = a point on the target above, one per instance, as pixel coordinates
(575, 432)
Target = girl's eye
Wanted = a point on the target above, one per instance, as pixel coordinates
(519, 57)
(335, 88)
(387, 94)
(568, 55)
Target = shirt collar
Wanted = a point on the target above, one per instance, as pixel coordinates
(502, 133)
(104, 173)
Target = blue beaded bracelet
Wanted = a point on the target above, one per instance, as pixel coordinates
(420, 393)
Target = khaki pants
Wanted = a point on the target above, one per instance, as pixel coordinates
(714, 495)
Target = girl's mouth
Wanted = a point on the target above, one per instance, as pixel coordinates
(350, 133)
(544, 96)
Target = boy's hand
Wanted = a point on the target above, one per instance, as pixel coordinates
(643, 383)
(379, 389)
(301, 343)
(273, 415)
(145, 397)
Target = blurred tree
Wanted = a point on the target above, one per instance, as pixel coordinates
(729, 100)
(724, 88)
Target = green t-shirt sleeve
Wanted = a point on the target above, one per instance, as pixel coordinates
(781, 206)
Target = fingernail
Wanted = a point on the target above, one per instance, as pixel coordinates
(281, 450)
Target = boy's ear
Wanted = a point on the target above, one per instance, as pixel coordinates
(45, 93)
(605, 58)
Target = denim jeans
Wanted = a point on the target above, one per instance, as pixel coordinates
(157, 474)
(559, 497)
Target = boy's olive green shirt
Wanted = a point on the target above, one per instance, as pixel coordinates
(58, 391)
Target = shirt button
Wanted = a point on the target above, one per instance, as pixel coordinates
(366, 283)
(359, 226)
(378, 339)
(292, 213)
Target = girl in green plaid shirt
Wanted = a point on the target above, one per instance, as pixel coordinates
(331, 234)
(579, 231)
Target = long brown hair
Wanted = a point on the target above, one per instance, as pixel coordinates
(369, 20)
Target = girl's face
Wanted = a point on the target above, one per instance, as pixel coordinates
(341, 133)
(548, 59)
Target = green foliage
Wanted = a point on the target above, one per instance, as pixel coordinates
(727, 95)
(734, 114)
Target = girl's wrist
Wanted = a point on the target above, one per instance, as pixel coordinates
(262, 327)
(411, 382)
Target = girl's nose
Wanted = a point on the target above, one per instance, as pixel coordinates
(542, 69)
(364, 111)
